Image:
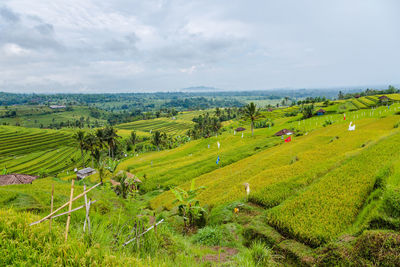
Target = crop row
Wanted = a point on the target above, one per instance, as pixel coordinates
(43, 144)
(23, 141)
(328, 207)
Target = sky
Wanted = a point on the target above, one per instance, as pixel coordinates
(95, 46)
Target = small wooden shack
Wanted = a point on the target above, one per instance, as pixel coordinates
(15, 178)
(284, 132)
(84, 173)
(321, 112)
(240, 129)
(383, 98)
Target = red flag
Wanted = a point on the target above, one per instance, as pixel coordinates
(287, 140)
(344, 116)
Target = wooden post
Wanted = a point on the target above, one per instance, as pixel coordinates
(51, 205)
(69, 210)
(84, 224)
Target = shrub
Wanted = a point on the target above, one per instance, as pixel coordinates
(327, 122)
(391, 202)
(209, 236)
(261, 255)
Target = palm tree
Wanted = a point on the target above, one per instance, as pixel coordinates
(79, 137)
(251, 112)
(91, 143)
(101, 167)
(157, 139)
(133, 138)
(110, 135)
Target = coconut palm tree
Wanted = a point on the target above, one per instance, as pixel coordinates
(110, 135)
(79, 138)
(91, 143)
(251, 112)
(157, 139)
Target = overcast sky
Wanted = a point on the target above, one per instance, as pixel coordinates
(146, 45)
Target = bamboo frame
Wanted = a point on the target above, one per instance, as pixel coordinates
(63, 206)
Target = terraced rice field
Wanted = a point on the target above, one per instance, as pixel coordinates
(169, 126)
(32, 151)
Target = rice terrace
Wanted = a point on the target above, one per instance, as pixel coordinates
(113, 153)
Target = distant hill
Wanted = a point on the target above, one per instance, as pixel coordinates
(200, 89)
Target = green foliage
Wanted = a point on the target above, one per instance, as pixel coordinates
(261, 255)
(391, 201)
(209, 236)
(188, 206)
(307, 111)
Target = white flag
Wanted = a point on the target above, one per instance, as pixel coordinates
(242, 135)
(218, 144)
(234, 132)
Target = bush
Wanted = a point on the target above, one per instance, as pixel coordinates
(391, 202)
(209, 236)
(261, 255)
(327, 122)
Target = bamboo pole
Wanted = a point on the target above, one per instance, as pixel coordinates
(84, 224)
(126, 243)
(66, 204)
(69, 210)
(51, 205)
(78, 208)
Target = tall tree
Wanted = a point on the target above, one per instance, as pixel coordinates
(133, 138)
(110, 135)
(91, 144)
(79, 138)
(157, 139)
(251, 112)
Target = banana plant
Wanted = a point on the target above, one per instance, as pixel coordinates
(188, 206)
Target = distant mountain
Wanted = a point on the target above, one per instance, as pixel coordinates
(200, 89)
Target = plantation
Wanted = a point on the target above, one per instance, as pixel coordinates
(328, 196)
(169, 126)
(32, 151)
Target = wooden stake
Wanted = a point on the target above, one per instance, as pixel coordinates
(51, 205)
(69, 210)
(63, 206)
(84, 224)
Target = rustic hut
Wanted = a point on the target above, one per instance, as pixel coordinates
(283, 132)
(383, 98)
(240, 129)
(15, 178)
(84, 173)
(321, 112)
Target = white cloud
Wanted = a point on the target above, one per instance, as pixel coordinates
(99, 45)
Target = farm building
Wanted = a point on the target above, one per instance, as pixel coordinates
(321, 112)
(284, 132)
(383, 98)
(270, 109)
(15, 178)
(57, 106)
(85, 173)
(239, 129)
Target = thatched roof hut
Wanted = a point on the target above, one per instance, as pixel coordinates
(283, 132)
(15, 178)
(239, 129)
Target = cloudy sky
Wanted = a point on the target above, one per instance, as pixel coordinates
(160, 45)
